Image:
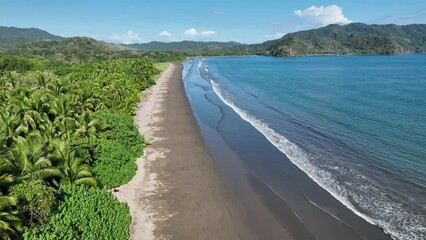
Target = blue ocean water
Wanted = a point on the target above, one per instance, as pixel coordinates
(356, 125)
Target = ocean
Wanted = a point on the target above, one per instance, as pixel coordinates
(353, 125)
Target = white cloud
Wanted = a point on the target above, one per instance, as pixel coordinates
(191, 32)
(129, 37)
(164, 34)
(323, 15)
(276, 35)
(208, 33)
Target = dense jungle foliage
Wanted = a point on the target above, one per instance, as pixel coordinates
(66, 137)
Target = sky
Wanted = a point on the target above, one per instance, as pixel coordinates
(246, 21)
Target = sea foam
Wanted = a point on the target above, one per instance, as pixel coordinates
(375, 206)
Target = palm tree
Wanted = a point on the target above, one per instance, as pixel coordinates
(74, 170)
(58, 86)
(38, 109)
(10, 128)
(27, 159)
(63, 106)
(86, 99)
(66, 128)
(42, 82)
(87, 125)
(10, 222)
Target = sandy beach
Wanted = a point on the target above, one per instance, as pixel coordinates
(191, 185)
(178, 192)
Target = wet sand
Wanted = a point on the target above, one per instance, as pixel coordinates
(182, 191)
(263, 180)
(193, 202)
(178, 191)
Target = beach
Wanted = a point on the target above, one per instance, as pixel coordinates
(191, 184)
(178, 192)
(262, 167)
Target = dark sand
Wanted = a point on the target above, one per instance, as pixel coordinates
(194, 193)
(181, 192)
(277, 198)
(178, 191)
(207, 198)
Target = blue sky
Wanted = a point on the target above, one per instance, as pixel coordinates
(245, 21)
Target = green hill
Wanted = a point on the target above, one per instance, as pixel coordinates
(356, 38)
(187, 46)
(77, 49)
(12, 36)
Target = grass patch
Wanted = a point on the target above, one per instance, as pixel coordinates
(161, 67)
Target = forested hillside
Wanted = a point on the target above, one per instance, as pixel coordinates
(83, 49)
(188, 46)
(356, 38)
(12, 36)
(78, 49)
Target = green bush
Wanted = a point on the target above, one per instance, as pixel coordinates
(115, 164)
(85, 213)
(36, 201)
(14, 63)
(123, 129)
(117, 150)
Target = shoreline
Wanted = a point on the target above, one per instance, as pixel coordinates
(136, 192)
(178, 193)
(190, 184)
(271, 173)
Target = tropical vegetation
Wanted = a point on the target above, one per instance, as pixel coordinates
(66, 137)
(85, 213)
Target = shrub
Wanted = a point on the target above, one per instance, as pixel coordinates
(14, 63)
(123, 129)
(115, 164)
(85, 213)
(36, 201)
(117, 150)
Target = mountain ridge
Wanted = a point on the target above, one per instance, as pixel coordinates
(186, 46)
(13, 36)
(354, 38)
(75, 49)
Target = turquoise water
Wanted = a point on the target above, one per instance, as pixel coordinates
(356, 125)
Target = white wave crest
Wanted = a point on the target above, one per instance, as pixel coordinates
(413, 230)
(200, 63)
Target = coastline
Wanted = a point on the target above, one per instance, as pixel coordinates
(190, 184)
(137, 191)
(177, 193)
(239, 147)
